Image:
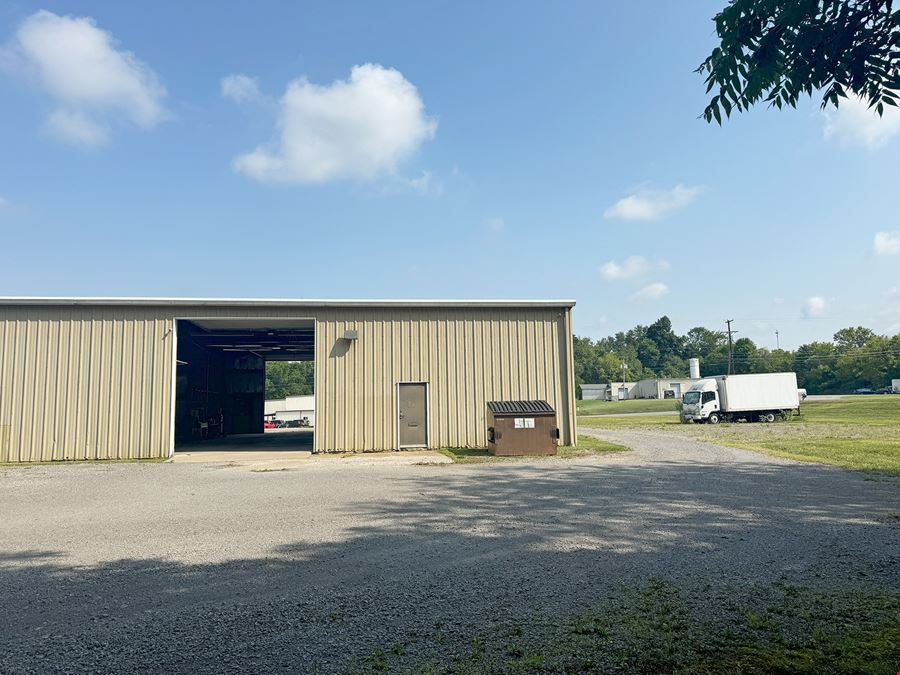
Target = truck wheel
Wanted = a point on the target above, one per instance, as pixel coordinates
(769, 417)
(713, 418)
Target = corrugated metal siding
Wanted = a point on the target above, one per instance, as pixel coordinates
(95, 382)
(467, 357)
(568, 348)
(84, 383)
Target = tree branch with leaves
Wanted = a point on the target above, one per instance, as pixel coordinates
(779, 50)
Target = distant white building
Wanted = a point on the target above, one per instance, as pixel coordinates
(608, 391)
(291, 408)
(648, 388)
(594, 392)
(662, 387)
(651, 387)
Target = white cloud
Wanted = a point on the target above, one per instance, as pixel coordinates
(854, 123)
(629, 268)
(814, 306)
(427, 184)
(495, 223)
(886, 243)
(355, 128)
(240, 88)
(10, 208)
(95, 84)
(645, 204)
(653, 291)
(75, 127)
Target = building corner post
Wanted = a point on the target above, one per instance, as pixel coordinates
(570, 381)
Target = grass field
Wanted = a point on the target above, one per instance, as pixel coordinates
(619, 407)
(587, 445)
(856, 432)
(865, 410)
(659, 628)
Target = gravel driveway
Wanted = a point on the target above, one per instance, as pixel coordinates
(200, 568)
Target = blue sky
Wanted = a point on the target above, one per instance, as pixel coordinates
(433, 150)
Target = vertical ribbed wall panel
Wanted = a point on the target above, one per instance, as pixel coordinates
(467, 357)
(84, 383)
(95, 382)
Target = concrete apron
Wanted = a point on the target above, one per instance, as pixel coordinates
(295, 460)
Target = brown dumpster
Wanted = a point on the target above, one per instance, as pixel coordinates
(522, 428)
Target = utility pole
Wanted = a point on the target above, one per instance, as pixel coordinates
(730, 346)
(777, 343)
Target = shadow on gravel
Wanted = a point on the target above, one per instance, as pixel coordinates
(466, 549)
(28, 556)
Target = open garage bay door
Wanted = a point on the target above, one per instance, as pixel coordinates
(220, 377)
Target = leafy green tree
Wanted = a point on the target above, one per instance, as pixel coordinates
(673, 366)
(610, 366)
(648, 354)
(715, 363)
(814, 365)
(583, 351)
(661, 334)
(635, 369)
(850, 338)
(289, 378)
(700, 342)
(744, 351)
(893, 370)
(779, 50)
(865, 365)
(594, 363)
(774, 361)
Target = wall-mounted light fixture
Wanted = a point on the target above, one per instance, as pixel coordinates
(351, 334)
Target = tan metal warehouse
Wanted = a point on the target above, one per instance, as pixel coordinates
(100, 378)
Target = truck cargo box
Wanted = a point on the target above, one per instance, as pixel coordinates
(763, 391)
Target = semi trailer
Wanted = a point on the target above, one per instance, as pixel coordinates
(755, 398)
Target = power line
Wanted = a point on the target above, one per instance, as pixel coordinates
(802, 357)
(811, 357)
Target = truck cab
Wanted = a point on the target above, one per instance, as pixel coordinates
(701, 400)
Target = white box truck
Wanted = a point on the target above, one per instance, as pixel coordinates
(756, 398)
(895, 386)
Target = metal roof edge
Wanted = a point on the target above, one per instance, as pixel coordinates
(264, 302)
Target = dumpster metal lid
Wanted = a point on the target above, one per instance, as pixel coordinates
(519, 407)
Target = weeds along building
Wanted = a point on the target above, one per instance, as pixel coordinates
(118, 378)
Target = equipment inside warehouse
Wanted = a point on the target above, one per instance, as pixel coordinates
(221, 376)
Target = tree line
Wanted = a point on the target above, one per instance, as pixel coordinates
(289, 378)
(855, 357)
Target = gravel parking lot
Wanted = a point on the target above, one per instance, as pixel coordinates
(209, 568)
